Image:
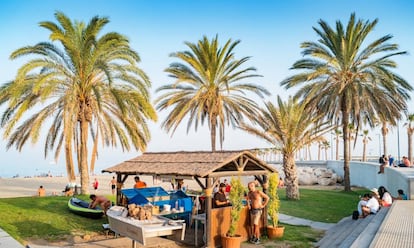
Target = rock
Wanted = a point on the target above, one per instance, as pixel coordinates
(326, 181)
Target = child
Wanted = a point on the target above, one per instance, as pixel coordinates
(401, 195)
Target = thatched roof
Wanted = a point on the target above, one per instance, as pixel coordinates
(194, 164)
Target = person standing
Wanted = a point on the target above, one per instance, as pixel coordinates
(256, 201)
(41, 191)
(95, 185)
(220, 199)
(112, 183)
(139, 184)
(391, 160)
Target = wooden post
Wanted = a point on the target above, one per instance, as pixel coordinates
(118, 188)
(208, 202)
(264, 215)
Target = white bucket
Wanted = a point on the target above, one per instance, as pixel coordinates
(166, 208)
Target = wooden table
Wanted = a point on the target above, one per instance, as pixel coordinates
(139, 230)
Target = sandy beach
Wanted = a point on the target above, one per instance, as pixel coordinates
(20, 187)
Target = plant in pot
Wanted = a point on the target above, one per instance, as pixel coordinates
(232, 239)
(274, 230)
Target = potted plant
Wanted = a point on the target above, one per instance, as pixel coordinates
(236, 194)
(274, 230)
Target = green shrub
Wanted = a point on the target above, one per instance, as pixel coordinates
(274, 202)
(236, 198)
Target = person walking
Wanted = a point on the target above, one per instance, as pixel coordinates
(256, 201)
(95, 185)
(112, 183)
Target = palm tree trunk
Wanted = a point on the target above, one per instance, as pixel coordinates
(213, 135)
(70, 170)
(337, 148)
(345, 130)
(410, 142)
(84, 157)
(319, 151)
(384, 131)
(94, 151)
(291, 177)
(364, 150)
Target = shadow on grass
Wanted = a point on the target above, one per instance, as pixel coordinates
(38, 229)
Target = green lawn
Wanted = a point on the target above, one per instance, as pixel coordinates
(48, 217)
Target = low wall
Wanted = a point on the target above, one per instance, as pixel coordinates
(365, 174)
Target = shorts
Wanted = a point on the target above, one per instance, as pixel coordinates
(113, 186)
(255, 214)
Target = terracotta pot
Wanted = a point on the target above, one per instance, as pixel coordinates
(231, 242)
(275, 232)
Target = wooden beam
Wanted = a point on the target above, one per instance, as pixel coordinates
(203, 187)
(235, 173)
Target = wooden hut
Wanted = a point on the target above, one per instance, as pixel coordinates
(204, 167)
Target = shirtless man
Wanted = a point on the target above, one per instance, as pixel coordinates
(99, 200)
(112, 183)
(256, 201)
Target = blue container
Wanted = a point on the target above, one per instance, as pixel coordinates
(153, 195)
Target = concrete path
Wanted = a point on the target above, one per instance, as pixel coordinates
(304, 222)
(6, 241)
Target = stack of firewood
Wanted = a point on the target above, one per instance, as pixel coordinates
(140, 212)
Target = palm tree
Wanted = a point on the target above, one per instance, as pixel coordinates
(350, 82)
(326, 145)
(365, 139)
(86, 79)
(209, 86)
(384, 132)
(338, 134)
(351, 137)
(289, 127)
(410, 131)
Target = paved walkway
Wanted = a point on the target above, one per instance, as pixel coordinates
(397, 229)
(6, 241)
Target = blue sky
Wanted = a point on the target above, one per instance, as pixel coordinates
(270, 32)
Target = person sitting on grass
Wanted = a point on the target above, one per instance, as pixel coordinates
(100, 200)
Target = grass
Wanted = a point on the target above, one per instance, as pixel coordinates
(321, 205)
(44, 218)
(48, 218)
(295, 236)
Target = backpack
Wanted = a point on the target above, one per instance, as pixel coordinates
(355, 215)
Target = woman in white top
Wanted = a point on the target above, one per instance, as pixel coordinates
(385, 196)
